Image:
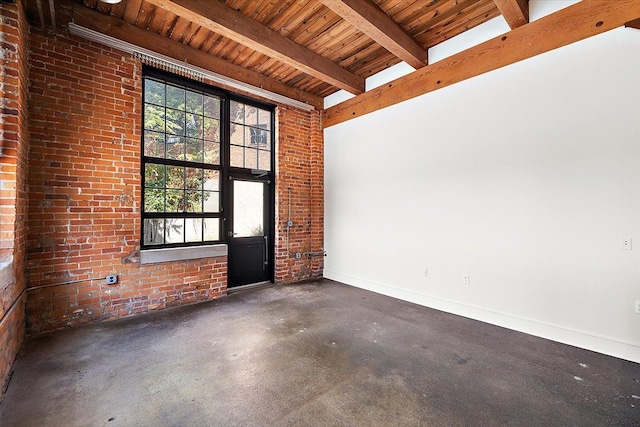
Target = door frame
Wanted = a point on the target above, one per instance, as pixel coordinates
(269, 217)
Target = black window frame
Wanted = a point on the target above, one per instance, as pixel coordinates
(224, 167)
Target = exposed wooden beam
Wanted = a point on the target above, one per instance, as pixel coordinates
(633, 24)
(52, 12)
(122, 30)
(515, 12)
(374, 22)
(227, 22)
(569, 25)
(41, 15)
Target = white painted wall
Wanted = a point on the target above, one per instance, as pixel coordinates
(525, 179)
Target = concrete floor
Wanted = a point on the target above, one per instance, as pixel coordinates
(316, 354)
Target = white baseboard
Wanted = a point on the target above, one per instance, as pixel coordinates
(577, 338)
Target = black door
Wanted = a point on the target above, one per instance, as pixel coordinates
(249, 231)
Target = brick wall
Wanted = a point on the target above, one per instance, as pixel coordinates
(84, 192)
(300, 192)
(14, 140)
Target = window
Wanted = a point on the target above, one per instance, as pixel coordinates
(187, 149)
(181, 165)
(250, 137)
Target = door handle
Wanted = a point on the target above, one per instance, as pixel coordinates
(266, 252)
(231, 234)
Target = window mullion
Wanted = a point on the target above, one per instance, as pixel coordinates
(199, 120)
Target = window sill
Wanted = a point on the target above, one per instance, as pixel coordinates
(154, 256)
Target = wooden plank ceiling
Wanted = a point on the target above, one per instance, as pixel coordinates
(313, 46)
(308, 49)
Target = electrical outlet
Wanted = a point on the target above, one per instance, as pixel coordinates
(466, 279)
(298, 255)
(289, 223)
(112, 279)
(425, 272)
(637, 307)
(625, 244)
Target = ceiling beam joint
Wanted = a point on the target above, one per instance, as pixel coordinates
(122, 30)
(515, 12)
(569, 25)
(381, 28)
(227, 22)
(633, 24)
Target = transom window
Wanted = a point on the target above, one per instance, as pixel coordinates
(250, 137)
(185, 158)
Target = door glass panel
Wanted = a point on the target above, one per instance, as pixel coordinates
(248, 208)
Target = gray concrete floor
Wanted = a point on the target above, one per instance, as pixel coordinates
(315, 354)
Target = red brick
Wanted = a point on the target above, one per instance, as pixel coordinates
(82, 166)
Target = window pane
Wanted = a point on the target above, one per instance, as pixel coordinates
(175, 147)
(211, 201)
(194, 179)
(237, 134)
(266, 140)
(153, 175)
(193, 201)
(212, 129)
(194, 125)
(211, 229)
(212, 107)
(264, 160)
(175, 201)
(154, 118)
(153, 231)
(193, 230)
(237, 156)
(250, 115)
(251, 158)
(237, 112)
(211, 180)
(153, 200)
(248, 208)
(175, 122)
(194, 102)
(153, 144)
(258, 138)
(174, 230)
(175, 97)
(212, 152)
(154, 92)
(249, 137)
(194, 150)
(175, 177)
(183, 125)
(264, 119)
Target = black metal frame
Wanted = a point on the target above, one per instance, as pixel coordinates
(225, 169)
(268, 213)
